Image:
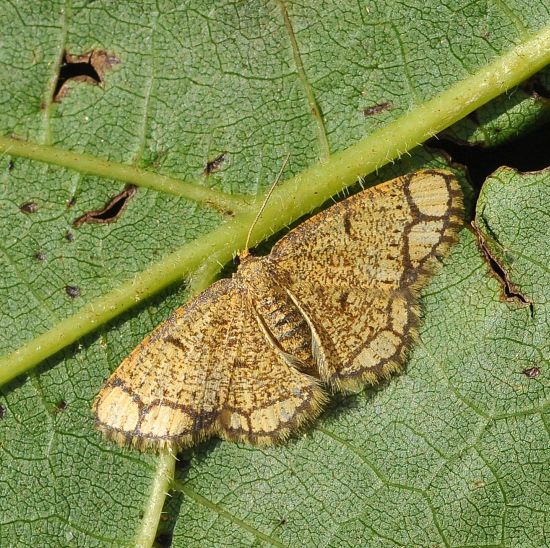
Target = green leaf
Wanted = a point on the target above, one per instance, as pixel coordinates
(254, 81)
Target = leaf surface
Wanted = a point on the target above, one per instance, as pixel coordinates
(253, 81)
(522, 109)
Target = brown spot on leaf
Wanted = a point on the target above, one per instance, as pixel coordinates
(110, 212)
(29, 207)
(72, 290)
(214, 165)
(531, 372)
(89, 68)
(377, 109)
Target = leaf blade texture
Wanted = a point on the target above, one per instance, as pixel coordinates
(187, 90)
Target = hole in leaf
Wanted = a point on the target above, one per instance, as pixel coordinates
(510, 290)
(2, 412)
(69, 236)
(528, 153)
(110, 212)
(39, 255)
(89, 67)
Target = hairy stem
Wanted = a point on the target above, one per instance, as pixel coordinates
(155, 501)
(294, 198)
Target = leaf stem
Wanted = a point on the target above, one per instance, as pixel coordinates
(91, 165)
(294, 198)
(155, 501)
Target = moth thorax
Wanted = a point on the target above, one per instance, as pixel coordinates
(279, 315)
(252, 271)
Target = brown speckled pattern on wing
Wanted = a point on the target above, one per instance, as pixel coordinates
(355, 270)
(335, 303)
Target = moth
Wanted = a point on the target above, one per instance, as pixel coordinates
(333, 307)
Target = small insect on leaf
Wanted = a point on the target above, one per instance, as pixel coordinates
(214, 164)
(531, 372)
(333, 306)
(29, 207)
(72, 290)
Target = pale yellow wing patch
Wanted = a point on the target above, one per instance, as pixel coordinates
(355, 271)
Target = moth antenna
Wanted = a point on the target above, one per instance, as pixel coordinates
(267, 196)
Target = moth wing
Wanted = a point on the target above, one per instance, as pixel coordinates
(210, 369)
(268, 397)
(355, 271)
(172, 387)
